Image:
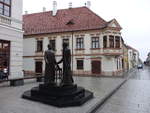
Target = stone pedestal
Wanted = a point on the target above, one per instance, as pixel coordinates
(60, 96)
(17, 82)
(39, 79)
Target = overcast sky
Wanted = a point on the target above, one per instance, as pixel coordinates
(133, 16)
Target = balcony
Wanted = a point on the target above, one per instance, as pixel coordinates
(112, 51)
(5, 20)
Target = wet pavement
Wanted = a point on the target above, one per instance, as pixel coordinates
(11, 101)
(132, 97)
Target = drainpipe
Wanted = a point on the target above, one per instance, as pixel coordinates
(72, 50)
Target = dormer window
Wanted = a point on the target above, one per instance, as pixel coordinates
(70, 22)
(5, 7)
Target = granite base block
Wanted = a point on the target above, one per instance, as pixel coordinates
(59, 96)
(17, 82)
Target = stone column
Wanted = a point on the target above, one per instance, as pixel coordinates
(114, 42)
(108, 41)
(101, 41)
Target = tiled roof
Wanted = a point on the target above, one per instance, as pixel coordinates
(129, 47)
(72, 19)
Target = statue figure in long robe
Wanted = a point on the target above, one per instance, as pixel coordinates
(66, 60)
(50, 63)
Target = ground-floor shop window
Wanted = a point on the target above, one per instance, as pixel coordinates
(4, 57)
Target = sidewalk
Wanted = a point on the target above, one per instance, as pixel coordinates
(11, 101)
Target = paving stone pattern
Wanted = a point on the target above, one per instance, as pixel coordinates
(11, 101)
(132, 97)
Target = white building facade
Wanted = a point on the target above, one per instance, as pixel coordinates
(96, 52)
(11, 37)
(133, 57)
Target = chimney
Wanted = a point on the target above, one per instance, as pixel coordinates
(44, 9)
(88, 4)
(26, 12)
(54, 8)
(70, 4)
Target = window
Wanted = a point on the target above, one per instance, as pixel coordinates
(122, 63)
(53, 44)
(111, 41)
(105, 41)
(66, 41)
(95, 42)
(80, 64)
(79, 43)
(5, 7)
(4, 54)
(39, 45)
(117, 39)
(117, 64)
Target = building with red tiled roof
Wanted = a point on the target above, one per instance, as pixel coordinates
(129, 47)
(96, 45)
(66, 20)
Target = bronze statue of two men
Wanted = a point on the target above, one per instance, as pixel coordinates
(51, 66)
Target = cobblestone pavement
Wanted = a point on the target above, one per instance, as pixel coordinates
(11, 101)
(132, 97)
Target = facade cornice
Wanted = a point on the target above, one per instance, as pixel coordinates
(95, 54)
(11, 28)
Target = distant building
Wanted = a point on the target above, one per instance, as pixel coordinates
(125, 58)
(148, 59)
(133, 57)
(11, 37)
(96, 45)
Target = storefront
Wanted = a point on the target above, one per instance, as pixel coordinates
(4, 55)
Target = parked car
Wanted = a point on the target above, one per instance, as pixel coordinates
(140, 66)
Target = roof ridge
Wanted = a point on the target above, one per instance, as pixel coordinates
(84, 18)
(96, 14)
(52, 10)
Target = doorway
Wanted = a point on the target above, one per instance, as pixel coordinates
(38, 67)
(96, 67)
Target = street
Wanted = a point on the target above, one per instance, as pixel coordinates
(132, 97)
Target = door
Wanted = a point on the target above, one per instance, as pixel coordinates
(38, 67)
(96, 67)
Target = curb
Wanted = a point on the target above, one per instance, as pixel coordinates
(101, 102)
